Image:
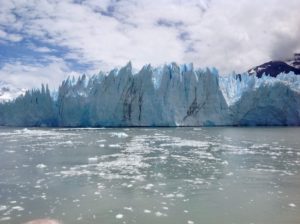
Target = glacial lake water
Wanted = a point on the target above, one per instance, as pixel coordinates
(151, 175)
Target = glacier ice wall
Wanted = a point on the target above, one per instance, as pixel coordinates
(269, 101)
(34, 108)
(170, 95)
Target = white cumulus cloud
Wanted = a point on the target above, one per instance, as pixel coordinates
(230, 35)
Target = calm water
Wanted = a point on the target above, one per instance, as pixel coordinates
(157, 175)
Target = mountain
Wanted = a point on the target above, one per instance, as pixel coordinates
(273, 68)
(170, 95)
(294, 62)
(9, 92)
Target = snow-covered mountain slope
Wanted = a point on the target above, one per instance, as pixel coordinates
(170, 95)
(9, 92)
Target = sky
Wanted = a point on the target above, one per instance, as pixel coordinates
(44, 41)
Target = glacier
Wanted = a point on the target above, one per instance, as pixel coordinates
(169, 95)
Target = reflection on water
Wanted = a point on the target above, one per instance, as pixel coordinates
(155, 175)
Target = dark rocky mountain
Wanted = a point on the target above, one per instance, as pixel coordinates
(273, 68)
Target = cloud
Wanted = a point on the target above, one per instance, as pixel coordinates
(33, 75)
(285, 45)
(42, 49)
(246, 33)
(12, 37)
(231, 35)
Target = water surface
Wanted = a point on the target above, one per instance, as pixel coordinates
(154, 175)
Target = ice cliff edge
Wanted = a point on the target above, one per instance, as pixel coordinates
(170, 95)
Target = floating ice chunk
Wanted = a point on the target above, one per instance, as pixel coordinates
(292, 205)
(6, 218)
(128, 209)
(179, 195)
(101, 140)
(93, 159)
(169, 195)
(225, 163)
(69, 143)
(190, 222)
(43, 196)
(119, 135)
(3, 207)
(114, 146)
(46, 221)
(100, 186)
(162, 184)
(127, 185)
(159, 214)
(18, 208)
(119, 216)
(147, 211)
(41, 166)
(196, 181)
(148, 187)
(186, 143)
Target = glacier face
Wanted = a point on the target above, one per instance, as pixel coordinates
(170, 95)
(279, 98)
